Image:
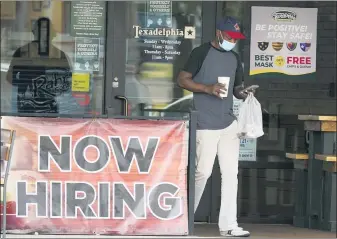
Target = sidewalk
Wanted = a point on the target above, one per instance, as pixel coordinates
(258, 231)
(266, 231)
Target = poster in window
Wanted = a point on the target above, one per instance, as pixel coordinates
(283, 41)
(159, 14)
(88, 18)
(87, 54)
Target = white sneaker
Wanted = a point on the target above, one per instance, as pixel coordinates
(237, 232)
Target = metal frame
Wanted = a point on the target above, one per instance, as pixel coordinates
(315, 186)
(191, 170)
(4, 214)
(87, 116)
(208, 20)
(314, 190)
(115, 59)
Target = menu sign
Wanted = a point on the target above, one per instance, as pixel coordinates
(88, 18)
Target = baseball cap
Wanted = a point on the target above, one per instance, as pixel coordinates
(231, 26)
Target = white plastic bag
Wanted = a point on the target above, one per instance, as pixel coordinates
(250, 118)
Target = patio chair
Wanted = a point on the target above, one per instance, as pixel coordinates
(7, 143)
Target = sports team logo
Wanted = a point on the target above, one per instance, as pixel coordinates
(237, 27)
(277, 45)
(263, 45)
(305, 46)
(291, 46)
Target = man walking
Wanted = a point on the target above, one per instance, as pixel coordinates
(217, 128)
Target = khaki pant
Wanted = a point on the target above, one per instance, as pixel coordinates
(224, 143)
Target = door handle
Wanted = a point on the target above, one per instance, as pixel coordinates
(126, 102)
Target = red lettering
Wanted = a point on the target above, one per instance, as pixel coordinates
(308, 60)
(289, 59)
(302, 60)
(295, 60)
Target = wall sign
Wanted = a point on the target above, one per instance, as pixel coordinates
(88, 18)
(162, 44)
(283, 40)
(160, 34)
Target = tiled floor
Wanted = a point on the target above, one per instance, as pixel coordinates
(258, 231)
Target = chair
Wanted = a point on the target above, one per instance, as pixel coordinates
(7, 143)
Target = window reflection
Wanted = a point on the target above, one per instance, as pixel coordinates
(38, 60)
(39, 73)
(154, 59)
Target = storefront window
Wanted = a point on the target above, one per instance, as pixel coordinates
(161, 36)
(52, 57)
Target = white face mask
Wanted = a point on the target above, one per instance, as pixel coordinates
(226, 45)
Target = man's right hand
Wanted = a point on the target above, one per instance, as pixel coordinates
(216, 89)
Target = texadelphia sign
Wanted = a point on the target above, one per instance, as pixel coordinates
(104, 176)
(188, 32)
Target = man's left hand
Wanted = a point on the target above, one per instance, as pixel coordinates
(250, 89)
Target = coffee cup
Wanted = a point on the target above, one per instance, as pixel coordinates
(224, 80)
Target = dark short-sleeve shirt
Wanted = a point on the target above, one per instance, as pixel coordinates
(206, 63)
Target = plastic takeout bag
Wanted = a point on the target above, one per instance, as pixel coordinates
(250, 118)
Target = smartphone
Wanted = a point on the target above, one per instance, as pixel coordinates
(251, 88)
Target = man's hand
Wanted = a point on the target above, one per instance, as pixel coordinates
(216, 89)
(250, 89)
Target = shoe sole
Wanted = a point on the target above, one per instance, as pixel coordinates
(246, 235)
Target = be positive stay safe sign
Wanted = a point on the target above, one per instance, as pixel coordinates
(283, 40)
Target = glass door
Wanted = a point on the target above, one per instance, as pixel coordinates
(148, 42)
(53, 56)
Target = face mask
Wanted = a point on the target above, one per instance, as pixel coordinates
(226, 45)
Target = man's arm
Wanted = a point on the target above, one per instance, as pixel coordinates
(185, 81)
(191, 68)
